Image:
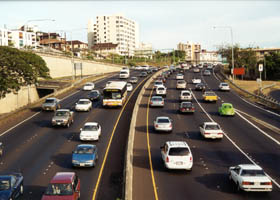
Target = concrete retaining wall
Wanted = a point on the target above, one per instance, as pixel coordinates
(62, 66)
(13, 101)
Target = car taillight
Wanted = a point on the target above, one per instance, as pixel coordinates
(190, 158)
(167, 159)
(220, 133)
(247, 183)
(151, 102)
(205, 133)
(170, 125)
(162, 102)
(192, 108)
(266, 183)
(156, 125)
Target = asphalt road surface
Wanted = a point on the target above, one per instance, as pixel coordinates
(38, 150)
(244, 142)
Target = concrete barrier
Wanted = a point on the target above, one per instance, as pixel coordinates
(130, 142)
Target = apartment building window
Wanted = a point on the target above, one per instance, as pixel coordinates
(104, 17)
(117, 22)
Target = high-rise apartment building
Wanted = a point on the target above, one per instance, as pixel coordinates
(192, 51)
(114, 29)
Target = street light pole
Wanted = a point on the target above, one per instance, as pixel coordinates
(232, 51)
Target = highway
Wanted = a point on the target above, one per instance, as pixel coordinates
(39, 150)
(245, 141)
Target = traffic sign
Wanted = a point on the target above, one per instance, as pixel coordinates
(260, 67)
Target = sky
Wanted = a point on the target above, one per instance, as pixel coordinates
(162, 23)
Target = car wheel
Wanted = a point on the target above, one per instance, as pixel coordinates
(237, 187)
(68, 125)
(21, 189)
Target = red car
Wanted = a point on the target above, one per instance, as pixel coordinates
(63, 186)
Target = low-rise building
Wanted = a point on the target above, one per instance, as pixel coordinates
(17, 38)
(145, 50)
(208, 56)
(192, 51)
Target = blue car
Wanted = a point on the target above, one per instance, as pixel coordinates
(84, 155)
(11, 186)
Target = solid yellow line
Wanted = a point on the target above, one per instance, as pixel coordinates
(110, 141)
(149, 149)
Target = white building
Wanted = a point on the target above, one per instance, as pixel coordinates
(17, 38)
(192, 51)
(208, 56)
(144, 50)
(115, 29)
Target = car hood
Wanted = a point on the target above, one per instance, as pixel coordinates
(45, 197)
(59, 117)
(5, 194)
(89, 133)
(83, 157)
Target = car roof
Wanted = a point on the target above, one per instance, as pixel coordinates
(177, 144)
(163, 117)
(84, 100)
(250, 166)
(185, 91)
(67, 110)
(91, 124)
(157, 97)
(94, 91)
(211, 123)
(227, 104)
(63, 177)
(88, 83)
(51, 98)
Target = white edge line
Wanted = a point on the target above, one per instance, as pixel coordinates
(5, 132)
(234, 144)
(250, 102)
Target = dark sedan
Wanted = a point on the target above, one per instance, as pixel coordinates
(186, 107)
(11, 186)
(200, 87)
(94, 95)
(143, 74)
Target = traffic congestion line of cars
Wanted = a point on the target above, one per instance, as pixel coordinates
(178, 155)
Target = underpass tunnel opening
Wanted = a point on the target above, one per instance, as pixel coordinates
(44, 92)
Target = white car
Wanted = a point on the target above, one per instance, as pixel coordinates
(88, 86)
(196, 70)
(163, 124)
(185, 95)
(83, 105)
(161, 90)
(90, 132)
(157, 101)
(224, 87)
(196, 80)
(158, 84)
(177, 155)
(181, 84)
(129, 87)
(179, 77)
(211, 130)
(133, 79)
(250, 177)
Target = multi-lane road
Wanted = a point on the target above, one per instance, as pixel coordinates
(39, 150)
(245, 141)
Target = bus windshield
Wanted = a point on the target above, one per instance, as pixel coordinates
(112, 95)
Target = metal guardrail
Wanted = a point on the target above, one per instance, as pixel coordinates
(267, 100)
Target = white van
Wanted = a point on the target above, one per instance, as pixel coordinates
(124, 73)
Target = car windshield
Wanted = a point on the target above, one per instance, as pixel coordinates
(186, 105)
(88, 84)
(84, 150)
(163, 120)
(123, 73)
(83, 102)
(90, 128)
(156, 99)
(176, 151)
(94, 94)
(4, 185)
(212, 127)
(158, 83)
(227, 106)
(186, 94)
(160, 88)
(49, 101)
(61, 113)
(224, 84)
(252, 173)
(181, 82)
(210, 94)
(59, 189)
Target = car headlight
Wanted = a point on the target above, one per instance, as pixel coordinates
(75, 161)
(53, 120)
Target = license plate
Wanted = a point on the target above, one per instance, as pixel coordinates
(179, 163)
(82, 164)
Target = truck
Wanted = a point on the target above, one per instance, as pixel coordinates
(63, 117)
(210, 96)
(211, 130)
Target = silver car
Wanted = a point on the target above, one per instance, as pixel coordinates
(163, 124)
(157, 101)
(51, 104)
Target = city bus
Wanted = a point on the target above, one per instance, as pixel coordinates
(114, 94)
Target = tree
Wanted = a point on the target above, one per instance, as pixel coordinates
(242, 58)
(19, 68)
(272, 65)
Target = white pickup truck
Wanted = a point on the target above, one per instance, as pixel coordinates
(211, 130)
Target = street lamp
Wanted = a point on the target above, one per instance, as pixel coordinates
(36, 20)
(232, 53)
